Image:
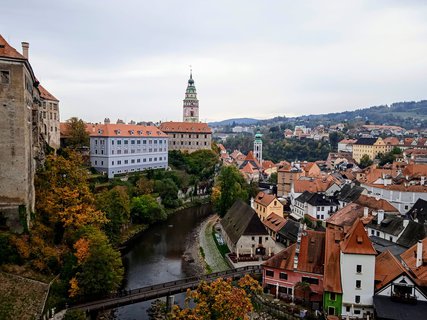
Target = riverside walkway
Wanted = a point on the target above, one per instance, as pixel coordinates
(162, 289)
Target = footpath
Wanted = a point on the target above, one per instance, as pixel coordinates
(212, 255)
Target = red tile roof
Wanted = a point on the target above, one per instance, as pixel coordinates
(46, 94)
(268, 164)
(356, 241)
(248, 168)
(124, 130)
(185, 127)
(311, 256)
(264, 198)
(7, 51)
(375, 204)
(313, 185)
(274, 222)
(332, 276)
(387, 268)
(409, 257)
(346, 216)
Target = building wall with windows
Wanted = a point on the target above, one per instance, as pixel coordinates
(188, 136)
(49, 116)
(20, 144)
(122, 148)
(357, 284)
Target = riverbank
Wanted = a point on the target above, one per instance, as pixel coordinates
(202, 255)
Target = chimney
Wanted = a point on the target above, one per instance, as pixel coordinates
(380, 216)
(419, 258)
(252, 203)
(365, 212)
(25, 47)
(107, 121)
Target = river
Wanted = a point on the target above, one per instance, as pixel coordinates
(156, 257)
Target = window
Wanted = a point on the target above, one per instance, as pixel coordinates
(283, 276)
(138, 142)
(119, 162)
(132, 142)
(112, 163)
(372, 232)
(126, 161)
(132, 161)
(356, 311)
(347, 308)
(126, 141)
(112, 142)
(333, 296)
(4, 77)
(357, 299)
(359, 268)
(331, 311)
(96, 162)
(269, 273)
(253, 238)
(310, 280)
(358, 284)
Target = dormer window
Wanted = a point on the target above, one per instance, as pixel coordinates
(100, 131)
(131, 132)
(149, 133)
(118, 131)
(139, 132)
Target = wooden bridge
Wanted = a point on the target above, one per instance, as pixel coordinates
(127, 297)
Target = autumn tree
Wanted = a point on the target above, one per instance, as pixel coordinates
(219, 300)
(77, 134)
(116, 205)
(229, 187)
(63, 198)
(99, 269)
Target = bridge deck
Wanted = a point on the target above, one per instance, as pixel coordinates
(162, 289)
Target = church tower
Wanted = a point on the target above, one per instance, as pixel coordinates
(258, 146)
(191, 104)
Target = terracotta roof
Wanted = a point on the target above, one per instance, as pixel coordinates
(313, 185)
(274, 222)
(346, 216)
(235, 154)
(409, 257)
(387, 268)
(183, 127)
(46, 94)
(7, 51)
(311, 255)
(264, 198)
(332, 276)
(357, 241)
(240, 157)
(247, 168)
(267, 164)
(307, 166)
(221, 147)
(415, 170)
(393, 141)
(376, 204)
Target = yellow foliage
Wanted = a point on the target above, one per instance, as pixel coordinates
(74, 288)
(82, 249)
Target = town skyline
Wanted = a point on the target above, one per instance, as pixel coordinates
(132, 61)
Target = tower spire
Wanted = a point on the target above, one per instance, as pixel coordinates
(191, 103)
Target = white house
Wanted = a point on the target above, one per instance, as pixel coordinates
(358, 272)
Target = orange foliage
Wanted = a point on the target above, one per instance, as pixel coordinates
(219, 300)
(82, 249)
(74, 288)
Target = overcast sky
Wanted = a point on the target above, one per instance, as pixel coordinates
(130, 59)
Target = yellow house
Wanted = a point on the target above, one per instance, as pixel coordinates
(265, 204)
(369, 146)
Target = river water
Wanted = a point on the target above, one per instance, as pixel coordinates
(156, 257)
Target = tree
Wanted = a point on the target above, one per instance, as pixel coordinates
(144, 186)
(168, 192)
(334, 138)
(365, 161)
(219, 300)
(273, 178)
(116, 205)
(78, 136)
(99, 270)
(63, 198)
(229, 187)
(145, 209)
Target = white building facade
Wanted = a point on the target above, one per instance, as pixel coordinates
(124, 148)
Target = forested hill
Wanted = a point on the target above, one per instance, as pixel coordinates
(406, 114)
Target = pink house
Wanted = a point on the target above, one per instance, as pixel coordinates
(296, 273)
